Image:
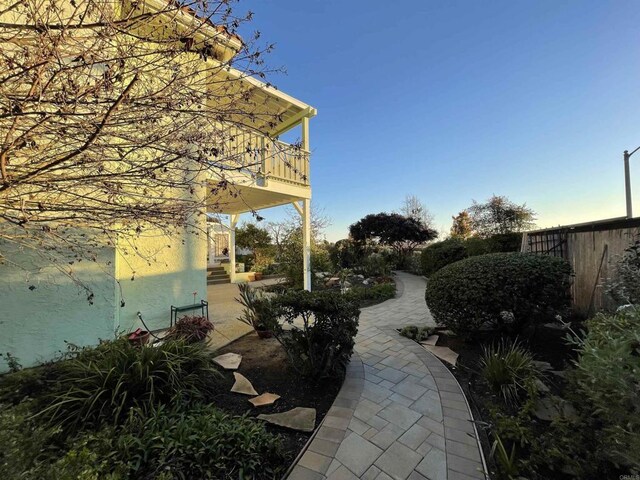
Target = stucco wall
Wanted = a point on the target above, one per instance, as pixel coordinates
(167, 271)
(42, 308)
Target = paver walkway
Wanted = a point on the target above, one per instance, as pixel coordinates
(400, 413)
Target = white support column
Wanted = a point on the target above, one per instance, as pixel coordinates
(306, 216)
(306, 242)
(233, 220)
(305, 133)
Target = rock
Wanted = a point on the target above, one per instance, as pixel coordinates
(431, 340)
(542, 366)
(541, 386)
(557, 326)
(242, 385)
(361, 277)
(332, 282)
(443, 353)
(264, 399)
(229, 361)
(346, 285)
(299, 418)
(547, 408)
(366, 282)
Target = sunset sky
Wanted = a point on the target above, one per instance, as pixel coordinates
(457, 100)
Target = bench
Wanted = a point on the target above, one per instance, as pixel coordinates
(203, 306)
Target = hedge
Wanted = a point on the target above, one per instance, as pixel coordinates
(508, 291)
(441, 254)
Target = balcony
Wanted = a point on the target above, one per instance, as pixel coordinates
(264, 159)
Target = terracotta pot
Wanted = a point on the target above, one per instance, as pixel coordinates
(264, 333)
(258, 276)
(139, 337)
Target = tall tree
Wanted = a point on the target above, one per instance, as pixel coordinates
(461, 227)
(112, 114)
(500, 215)
(402, 234)
(412, 207)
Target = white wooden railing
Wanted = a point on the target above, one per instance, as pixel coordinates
(260, 155)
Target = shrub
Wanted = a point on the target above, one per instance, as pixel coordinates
(200, 442)
(191, 329)
(259, 312)
(410, 331)
(23, 441)
(374, 265)
(508, 369)
(440, 254)
(168, 443)
(625, 285)
(323, 346)
(101, 385)
(607, 384)
(374, 294)
(509, 291)
(424, 333)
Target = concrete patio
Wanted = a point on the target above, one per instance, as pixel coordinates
(224, 312)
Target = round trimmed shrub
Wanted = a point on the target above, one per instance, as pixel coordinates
(441, 254)
(507, 291)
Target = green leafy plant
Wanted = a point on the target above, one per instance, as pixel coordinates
(372, 294)
(410, 331)
(259, 311)
(200, 442)
(191, 329)
(441, 254)
(624, 287)
(507, 367)
(323, 345)
(102, 385)
(506, 461)
(607, 384)
(424, 333)
(507, 291)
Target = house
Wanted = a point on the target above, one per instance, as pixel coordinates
(44, 306)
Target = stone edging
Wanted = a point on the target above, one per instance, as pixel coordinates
(315, 458)
(450, 391)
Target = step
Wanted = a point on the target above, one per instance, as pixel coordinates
(217, 277)
(216, 269)
(218, 281)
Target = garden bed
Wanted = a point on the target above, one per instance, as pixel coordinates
(547, 345)
(265, 364)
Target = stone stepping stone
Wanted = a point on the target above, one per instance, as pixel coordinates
(264, 399)
(431, 340)
(443, 353)
(299, 418)
(243, 385)
(229, 361)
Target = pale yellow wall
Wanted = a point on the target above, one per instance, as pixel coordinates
(36, 323)
(175, 272)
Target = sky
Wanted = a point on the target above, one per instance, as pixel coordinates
(454, 101)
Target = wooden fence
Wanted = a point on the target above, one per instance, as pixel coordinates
(593, 250)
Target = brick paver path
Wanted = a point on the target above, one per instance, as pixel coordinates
(400, 413)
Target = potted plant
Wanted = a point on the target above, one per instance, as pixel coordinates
(139, 337)
(259, 311)
(191, 329)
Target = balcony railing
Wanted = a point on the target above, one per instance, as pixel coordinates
(259, 155)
